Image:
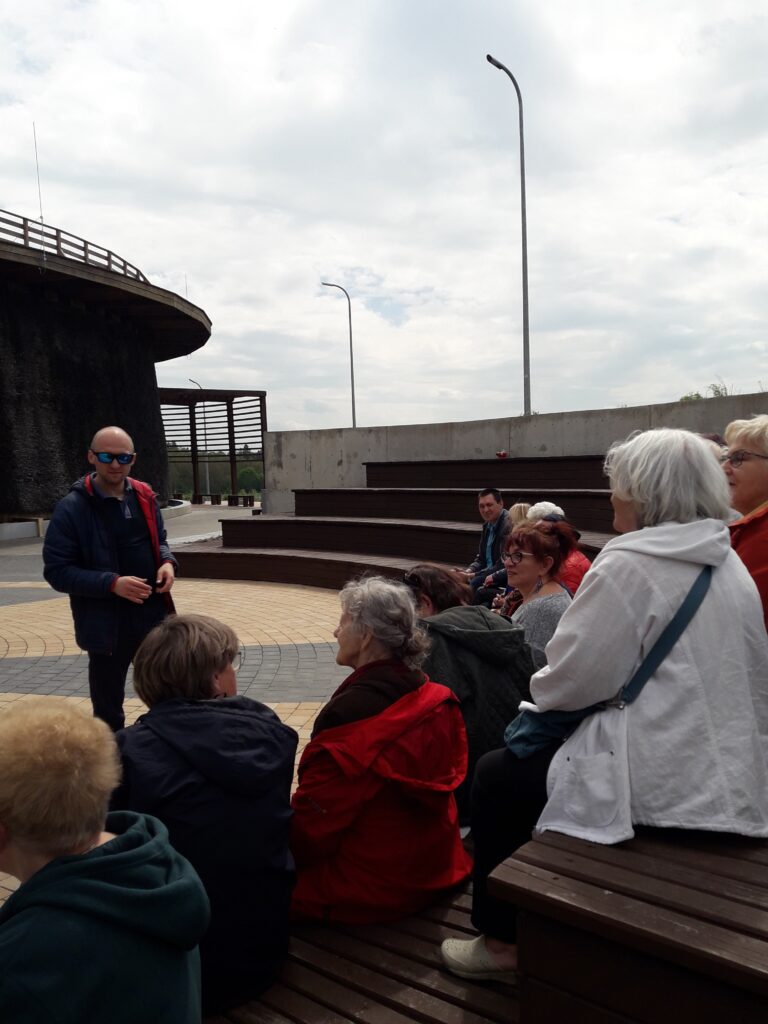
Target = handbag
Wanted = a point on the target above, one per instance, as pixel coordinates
(532, 730)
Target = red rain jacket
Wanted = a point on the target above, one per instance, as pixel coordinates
(375, 829)
(749, 539)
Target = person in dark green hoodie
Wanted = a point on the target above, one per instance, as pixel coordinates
(482, 657)
(105, 924)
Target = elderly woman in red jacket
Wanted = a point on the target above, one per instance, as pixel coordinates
(375, 829)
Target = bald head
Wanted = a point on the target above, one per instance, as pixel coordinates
(113, 439)
(111, 455)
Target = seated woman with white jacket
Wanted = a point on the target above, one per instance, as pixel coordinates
(690, 751)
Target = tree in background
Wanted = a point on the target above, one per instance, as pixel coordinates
(249, 481)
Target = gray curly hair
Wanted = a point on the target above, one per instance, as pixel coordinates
(387, 609)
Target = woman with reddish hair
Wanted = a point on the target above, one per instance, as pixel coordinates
(533, 558)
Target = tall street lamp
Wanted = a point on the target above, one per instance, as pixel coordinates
(205, 441)
(329, 284)
(524, 227)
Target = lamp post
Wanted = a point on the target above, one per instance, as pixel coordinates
(329, 284)
(205, 441)
(524, 229)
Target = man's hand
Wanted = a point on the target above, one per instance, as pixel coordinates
(465, 573)
(165, 578)
(488, 581)
(132, 589)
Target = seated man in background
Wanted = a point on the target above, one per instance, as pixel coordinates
(216, 769)
(486, 573)
(105, 925)
(746, 468)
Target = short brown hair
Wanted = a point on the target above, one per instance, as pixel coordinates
(180, 657)
(545, 539)
(58, 767)
(444, 587)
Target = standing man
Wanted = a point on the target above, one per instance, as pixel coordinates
(487, 572)
(106, 547)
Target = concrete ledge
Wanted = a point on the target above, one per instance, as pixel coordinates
(24, 530)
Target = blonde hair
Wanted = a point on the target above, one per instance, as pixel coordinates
(58, 767)
(180, 657)
(518, 512)
(754, 431)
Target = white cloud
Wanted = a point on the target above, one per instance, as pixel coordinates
(249, 151)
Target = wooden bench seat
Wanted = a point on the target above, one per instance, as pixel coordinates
(379, 974)
(669, 927)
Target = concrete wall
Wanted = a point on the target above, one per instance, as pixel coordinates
(334, 458)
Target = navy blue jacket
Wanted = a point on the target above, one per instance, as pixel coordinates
(218, 774)
(80, 559)
(496, 568)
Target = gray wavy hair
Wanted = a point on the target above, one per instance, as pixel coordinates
(387, 609)
(668, 476)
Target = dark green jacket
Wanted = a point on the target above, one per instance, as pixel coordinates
(485, 660)
(106, 937)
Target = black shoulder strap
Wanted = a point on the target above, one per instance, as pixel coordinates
(669, 637)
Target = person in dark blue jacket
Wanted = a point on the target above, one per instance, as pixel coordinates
(216, 769)
(106, 547)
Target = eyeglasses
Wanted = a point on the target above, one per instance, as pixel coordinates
(107, 458)
(516, 557)
(239, 659)
(736, 458)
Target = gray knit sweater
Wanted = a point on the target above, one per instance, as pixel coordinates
(539, 618)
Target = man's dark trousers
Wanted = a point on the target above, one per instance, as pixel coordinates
(107, 672)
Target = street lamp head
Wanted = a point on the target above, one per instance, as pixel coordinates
(195, 382)
(496, 63)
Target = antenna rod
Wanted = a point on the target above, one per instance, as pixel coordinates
(37, 165)
(40, 201)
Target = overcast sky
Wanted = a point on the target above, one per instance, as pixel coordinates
(246, 150)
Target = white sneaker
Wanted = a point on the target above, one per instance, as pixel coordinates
(469, 958)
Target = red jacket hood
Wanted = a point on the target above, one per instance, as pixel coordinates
(419, 741)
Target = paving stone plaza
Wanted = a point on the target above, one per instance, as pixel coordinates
(287, 632)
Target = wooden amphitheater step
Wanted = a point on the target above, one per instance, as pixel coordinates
(312, 568)
(416, 540)
(586, 509)
(532, 472)
(331, 569)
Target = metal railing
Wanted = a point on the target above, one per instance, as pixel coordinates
(32, 234)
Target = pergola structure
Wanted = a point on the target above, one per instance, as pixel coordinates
(218, 424)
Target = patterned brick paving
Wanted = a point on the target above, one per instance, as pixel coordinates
(287, 632)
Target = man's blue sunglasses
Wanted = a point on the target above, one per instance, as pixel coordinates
(106, 458)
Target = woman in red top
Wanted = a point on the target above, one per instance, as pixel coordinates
(746, 466)
(375, 829)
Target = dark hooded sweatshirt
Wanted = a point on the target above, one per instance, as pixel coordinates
(485, 660)
(106, 937)
(218, 773)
